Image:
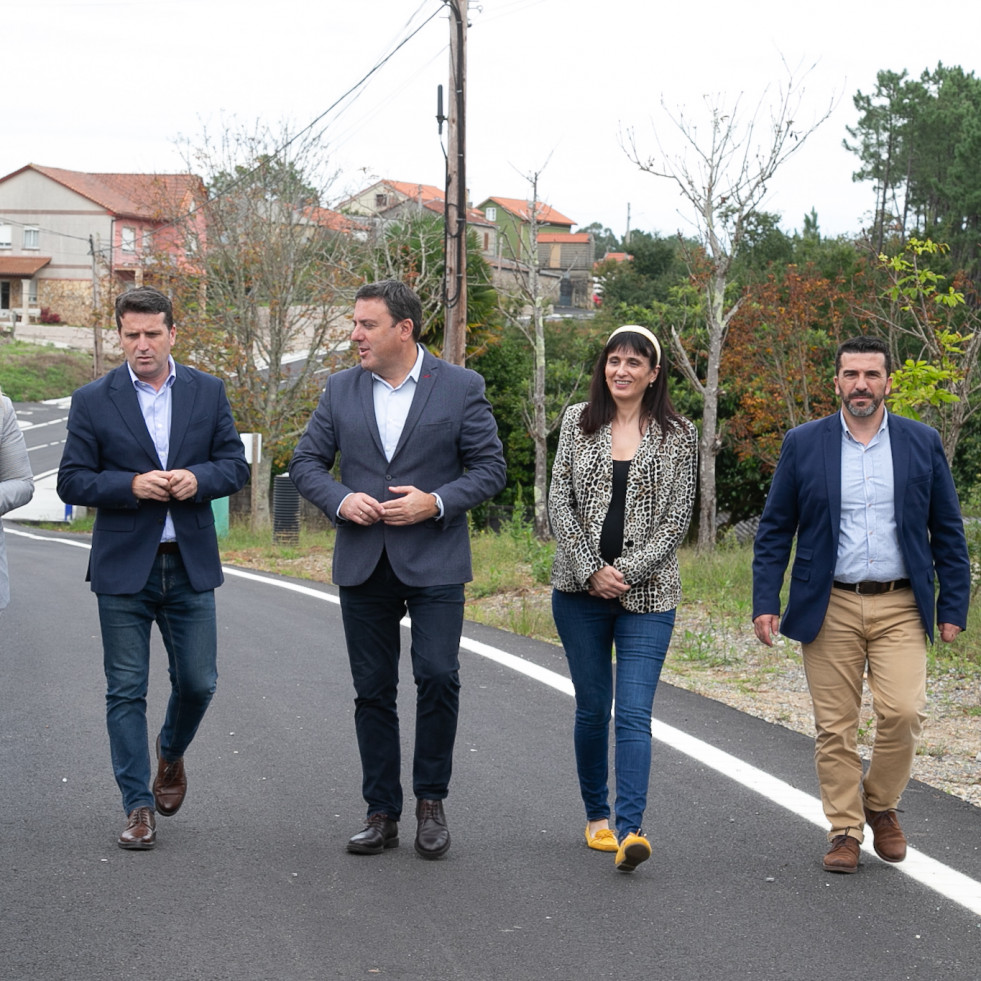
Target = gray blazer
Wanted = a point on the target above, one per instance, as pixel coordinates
(449, 447)
(16, 480)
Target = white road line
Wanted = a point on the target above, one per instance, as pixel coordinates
(948, 882)
(19, 533)
(40, 425)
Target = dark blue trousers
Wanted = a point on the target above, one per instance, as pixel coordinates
(372, 613)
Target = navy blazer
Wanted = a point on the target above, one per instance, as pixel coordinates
(449, 446)
(108, 444)
(805, 498)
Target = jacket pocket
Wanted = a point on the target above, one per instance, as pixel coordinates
(802, 564)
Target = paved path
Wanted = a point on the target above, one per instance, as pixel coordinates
(251, 880)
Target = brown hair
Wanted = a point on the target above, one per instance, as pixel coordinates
(656, 406)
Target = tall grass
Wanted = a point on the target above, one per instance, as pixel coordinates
(510, 590)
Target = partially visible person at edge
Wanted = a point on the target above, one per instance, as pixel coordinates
(16, 481)
(418, 448)
(150, 445)
(871, 500)
(621, 497)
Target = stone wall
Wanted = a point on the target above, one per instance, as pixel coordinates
(71, 299)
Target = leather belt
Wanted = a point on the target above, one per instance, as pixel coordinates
(168, 548)
(870, 587)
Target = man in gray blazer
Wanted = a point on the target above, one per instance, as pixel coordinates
(150, 445)
(418, 448)
(16, 480)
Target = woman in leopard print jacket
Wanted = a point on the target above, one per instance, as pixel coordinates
(621, 498)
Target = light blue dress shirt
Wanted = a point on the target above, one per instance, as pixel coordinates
(868, 540)
(155, 406)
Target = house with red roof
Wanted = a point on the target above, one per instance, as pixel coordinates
(388, 200)
(562, 253)
(64, 231)
(380, 198)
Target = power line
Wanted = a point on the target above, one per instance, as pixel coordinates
(277, 153)
(282, 149)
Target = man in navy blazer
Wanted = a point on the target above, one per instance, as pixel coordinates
(871, 500)
(418, 448)
(150, 445)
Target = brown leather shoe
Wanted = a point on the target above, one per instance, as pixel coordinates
(380, 833)
(888, 839)
(432, 835)
(170, 786)
(843, 855)
(141, 830)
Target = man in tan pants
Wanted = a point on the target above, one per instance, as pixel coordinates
(870, 497)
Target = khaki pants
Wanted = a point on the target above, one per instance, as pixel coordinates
(884, 635)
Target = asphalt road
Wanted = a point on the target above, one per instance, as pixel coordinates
(43, 425)
(251, 879)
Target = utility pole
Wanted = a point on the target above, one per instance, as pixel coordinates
(96, 314)
(455, 206)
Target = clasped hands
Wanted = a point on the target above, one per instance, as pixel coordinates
(412, 507)
(165, 485)
(607, 583)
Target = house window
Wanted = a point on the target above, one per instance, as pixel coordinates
(127, 238)
(486, 241)
(32, 293)
(6, 237)
(32, 238)
(491, 214)
(381, 200)
(147, 241)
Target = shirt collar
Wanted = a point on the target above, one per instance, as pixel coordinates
(882, 428)
(414, 372)
(171, 376)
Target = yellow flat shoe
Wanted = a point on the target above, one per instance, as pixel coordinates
(633, 850)
(603, 840)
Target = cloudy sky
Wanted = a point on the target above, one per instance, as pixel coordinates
(114, 85)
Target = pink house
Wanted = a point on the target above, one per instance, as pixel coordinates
(63, 231)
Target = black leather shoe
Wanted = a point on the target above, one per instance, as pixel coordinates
(380, 833)
(432, 835)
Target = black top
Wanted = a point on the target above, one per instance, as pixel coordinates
(611, 537)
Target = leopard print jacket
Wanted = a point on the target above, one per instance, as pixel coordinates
(660, 497)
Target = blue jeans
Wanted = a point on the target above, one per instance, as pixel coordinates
(186, 620)
(589, 627)
(371, 613)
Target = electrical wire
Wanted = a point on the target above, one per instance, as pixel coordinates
(278, 152)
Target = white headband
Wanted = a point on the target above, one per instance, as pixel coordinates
(644, 332)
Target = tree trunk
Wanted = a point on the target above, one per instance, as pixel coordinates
(710, 440)
(540, 428)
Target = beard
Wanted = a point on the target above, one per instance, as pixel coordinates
(865, 411)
